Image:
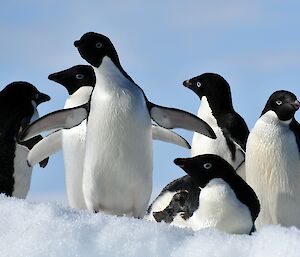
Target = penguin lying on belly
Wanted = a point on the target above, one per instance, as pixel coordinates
(117, 176)
(213, 195)
(18, 102)
(80, 80)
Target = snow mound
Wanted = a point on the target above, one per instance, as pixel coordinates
(48, 229)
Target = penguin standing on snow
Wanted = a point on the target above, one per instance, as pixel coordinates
(225, 200)
(18, 102)
(117, 174)
(217, 110)
(273, 161)
(80, 81)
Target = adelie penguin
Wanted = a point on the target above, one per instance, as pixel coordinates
(117, 174)
(18, 102)
(80, 80)
(273, 161)
(217, 110)
(225, 201)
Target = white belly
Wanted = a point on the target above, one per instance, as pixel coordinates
(219, 208)
(22, 172)
(205, 145)
(118, 162)
(74, 150)
(273, 171)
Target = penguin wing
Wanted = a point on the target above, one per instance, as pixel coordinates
(177, 205)
(160, 133)
(184, 183)
(67, 118)
(30, 144)
(295, 127)
(234, 127)
(174, 118)
(45, 148)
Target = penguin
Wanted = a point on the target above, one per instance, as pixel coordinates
(18, 103)
(117, 177)
(225, 201)
(273, 161)
(217, 110)
(79, 81)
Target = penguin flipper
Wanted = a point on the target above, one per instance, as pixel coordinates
(45, 148)
(174, 118)
(162, 134)
(67, 118)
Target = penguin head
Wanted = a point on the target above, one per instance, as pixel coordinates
(18, 102)
(74, 78)
(204, 168)
(22, 93)
(283, 103)
(214, 87)
(93, 47)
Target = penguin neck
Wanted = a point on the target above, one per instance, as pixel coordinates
(115, 60)
(270, 117)
(79, 97)
(109, 76)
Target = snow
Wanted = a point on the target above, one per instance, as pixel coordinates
(49, 229)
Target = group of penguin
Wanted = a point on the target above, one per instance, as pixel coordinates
(236, 181)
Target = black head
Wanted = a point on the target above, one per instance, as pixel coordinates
(283, 103)
(93, 47)
(204, 168)
(20, 93)
(74, 78)
(213, 86)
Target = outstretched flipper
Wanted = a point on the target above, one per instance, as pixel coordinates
(29, 144)
(45, 148)
(162, 134)
(62, 119)
(174, 118)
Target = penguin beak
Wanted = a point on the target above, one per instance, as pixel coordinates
(296, 105)
(181, 162)
(56, 77)
(77, 43)
(187, 83)
(41, 98)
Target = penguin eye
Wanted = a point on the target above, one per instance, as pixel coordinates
(98, 45)
(198, 84)
(278, 102)
(79, 76)
(36, 96)
(207, 166)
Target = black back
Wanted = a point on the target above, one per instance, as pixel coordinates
(295, 127)
(217, 91)
(204, 168)
(75, 77)
(16, 111)
(186, 200)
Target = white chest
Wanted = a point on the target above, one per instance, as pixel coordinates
(273, 171)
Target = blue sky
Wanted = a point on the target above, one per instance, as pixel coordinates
(254, 45)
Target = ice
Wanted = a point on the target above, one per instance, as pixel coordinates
(49, 229)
